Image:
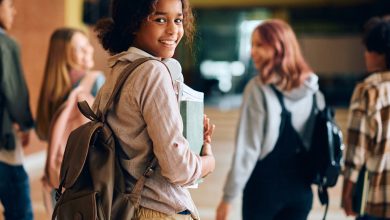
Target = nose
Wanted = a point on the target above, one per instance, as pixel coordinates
(252, 52)
(172, 28)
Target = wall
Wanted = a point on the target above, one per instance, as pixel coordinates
(34, 23)
(334, 55)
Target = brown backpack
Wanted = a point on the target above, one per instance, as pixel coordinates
(91, 173)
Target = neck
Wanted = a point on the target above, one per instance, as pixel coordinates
(76, 75)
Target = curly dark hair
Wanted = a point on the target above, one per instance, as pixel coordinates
(116, 34)
(376, 36)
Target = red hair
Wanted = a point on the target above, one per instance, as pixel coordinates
(288, 63)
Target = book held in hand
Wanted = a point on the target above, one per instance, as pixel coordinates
(191, 110)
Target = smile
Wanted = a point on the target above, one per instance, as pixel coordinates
(168, 42)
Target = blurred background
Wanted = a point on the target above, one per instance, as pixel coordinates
(218, 63)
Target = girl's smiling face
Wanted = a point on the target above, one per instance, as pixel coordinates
(81, 53)
(261, 53)
(162, 31)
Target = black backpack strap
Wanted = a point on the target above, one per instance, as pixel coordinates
(285, 114)
(279, 95)
(322, 191)
(324, 198)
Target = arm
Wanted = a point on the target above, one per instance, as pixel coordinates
(158, 105)
(14, 88)
(358, 139)
(247, 150)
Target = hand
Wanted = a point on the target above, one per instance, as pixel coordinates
(347, 198)
(223, 211)
(208, 160)
(24, 137)
(208, 130)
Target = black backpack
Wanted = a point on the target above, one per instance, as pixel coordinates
(325, 156)
(323, 161)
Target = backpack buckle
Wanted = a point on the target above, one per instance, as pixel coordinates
(148, 172)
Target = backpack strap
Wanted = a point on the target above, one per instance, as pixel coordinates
(121, 81)
(135, 195)
(279, 95)
(285, 113)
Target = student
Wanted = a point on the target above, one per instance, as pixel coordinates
(146, 117)
(16, 121)
(368, 124)
(274, 129)
(68, 78)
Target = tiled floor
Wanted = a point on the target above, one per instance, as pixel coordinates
(209, 193)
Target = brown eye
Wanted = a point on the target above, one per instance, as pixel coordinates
(179, 21)
(160, 20)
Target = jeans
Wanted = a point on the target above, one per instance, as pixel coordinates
(15, 192)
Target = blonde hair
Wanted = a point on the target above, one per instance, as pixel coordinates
(288, 63)
(56, 84)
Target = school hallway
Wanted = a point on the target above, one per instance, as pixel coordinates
(208, 195)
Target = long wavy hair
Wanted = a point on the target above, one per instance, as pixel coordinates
(56, 84)
(288, 66)
(116, 34)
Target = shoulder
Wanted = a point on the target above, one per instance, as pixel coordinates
(8, 44)
(320, 98)
(8, 41)
(155, 66)
(152, 70)
(254, 86)
(255, 92)
(367, 95)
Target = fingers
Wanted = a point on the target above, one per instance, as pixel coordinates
(24, 137)
(208, 129)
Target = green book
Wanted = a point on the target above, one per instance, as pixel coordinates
(191, 110)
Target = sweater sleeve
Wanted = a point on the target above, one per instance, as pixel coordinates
(249, 136)
(160, 110)
(13, 86)
(359, 136)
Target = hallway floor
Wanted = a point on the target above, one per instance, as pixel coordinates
(208, 195)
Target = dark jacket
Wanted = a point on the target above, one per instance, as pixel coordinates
(14, 98)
